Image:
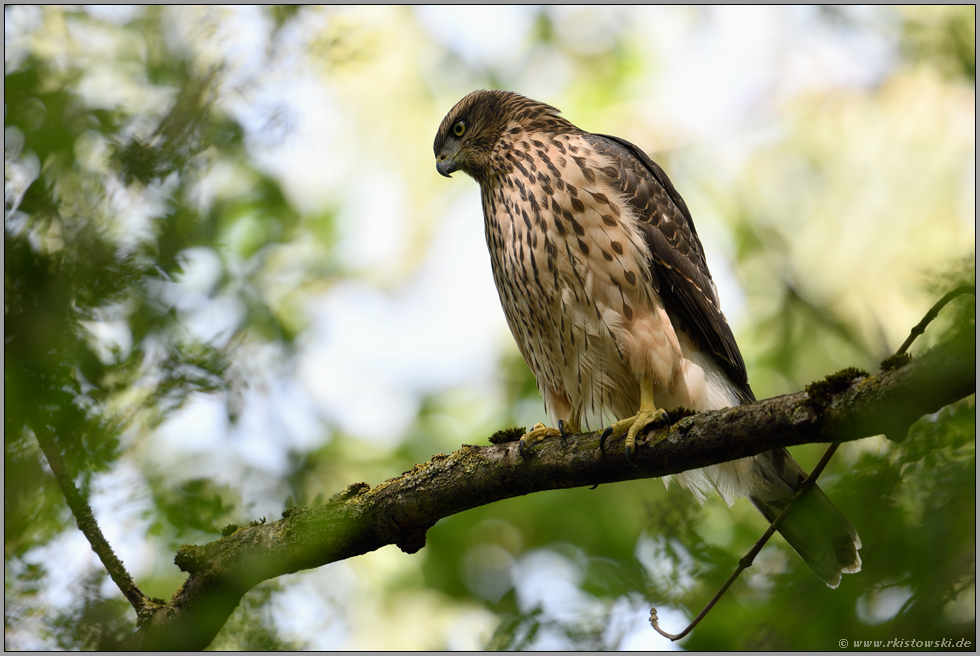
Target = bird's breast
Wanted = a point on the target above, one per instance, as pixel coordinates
(571, 270)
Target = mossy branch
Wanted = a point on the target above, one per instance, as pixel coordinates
(401, 510)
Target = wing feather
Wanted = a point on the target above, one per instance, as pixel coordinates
(678, 266)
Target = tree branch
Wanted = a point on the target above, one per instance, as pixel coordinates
(401, 510)
(85, 520)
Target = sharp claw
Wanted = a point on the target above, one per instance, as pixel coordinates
(629, 451)
(522, 449)
(602, 440)
(561, 430)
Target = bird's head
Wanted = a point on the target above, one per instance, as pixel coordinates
(467, 135)
(472, 129)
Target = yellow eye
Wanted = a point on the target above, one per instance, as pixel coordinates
(459, 129)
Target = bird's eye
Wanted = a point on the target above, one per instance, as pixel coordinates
(459, 129)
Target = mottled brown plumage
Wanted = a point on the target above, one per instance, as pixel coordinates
(604, 283)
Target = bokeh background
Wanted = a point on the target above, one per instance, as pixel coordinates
(234, 282)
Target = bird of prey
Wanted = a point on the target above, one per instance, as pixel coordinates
(604, 283)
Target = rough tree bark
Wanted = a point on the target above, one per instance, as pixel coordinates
(400, 511)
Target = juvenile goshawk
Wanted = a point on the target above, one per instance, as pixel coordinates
(604, 283)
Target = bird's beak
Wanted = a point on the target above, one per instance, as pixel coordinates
(446, 165)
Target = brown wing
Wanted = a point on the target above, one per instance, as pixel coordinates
(678, 267)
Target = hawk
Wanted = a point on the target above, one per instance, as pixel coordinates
(604, 283)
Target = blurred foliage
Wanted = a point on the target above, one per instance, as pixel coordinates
(93, 622)
(95, 346)
(250, 627)
(946, 39)
(134, 206)
(196, 509)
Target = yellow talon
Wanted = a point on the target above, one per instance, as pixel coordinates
(536, 434)
(648, 415)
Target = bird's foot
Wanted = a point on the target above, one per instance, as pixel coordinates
(632, 426)
(536, 434)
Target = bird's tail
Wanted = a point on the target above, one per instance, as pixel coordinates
(815, 528)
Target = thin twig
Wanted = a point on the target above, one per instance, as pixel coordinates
(931, 314)
(746, 560)
(85, 520)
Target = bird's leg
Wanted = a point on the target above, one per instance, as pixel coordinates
(648, 415)
(568, 427)
(540, 431)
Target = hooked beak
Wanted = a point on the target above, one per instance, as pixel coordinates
(446, 165)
